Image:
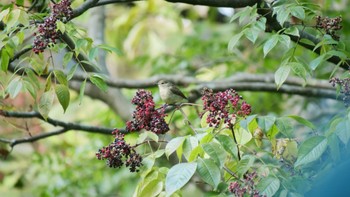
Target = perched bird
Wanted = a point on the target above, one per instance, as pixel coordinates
(169, 93)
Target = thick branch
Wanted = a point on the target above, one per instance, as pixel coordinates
(54, 122)
(218, 3)
(84, 7)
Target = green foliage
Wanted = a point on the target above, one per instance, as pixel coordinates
(285, 151)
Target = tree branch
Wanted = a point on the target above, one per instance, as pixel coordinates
(66, 126)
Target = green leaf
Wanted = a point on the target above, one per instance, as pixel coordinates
(195, 152)
(245, 164)
(299, 69)
(189, 144)
(316, 62)
(72, 71)
(32, 78)
(216, 152)
(110, 49)
(298, 12)
(152, 188)
(243, 136)
(61, 77)
(67, 58)
(61, 26)
(178, 176)
(93, 53)
(342, 130)
(173, 145)
(281, 75)
(45, 103)
(14, 87)
(99, 82)
(82, 91)
(233, 41)
(284, 126)
(270, 44)
(303, 121)
(310, 150)
(204, 123)
(5, 60)
(30, 88)
(13, 18)
(252, 33)
(23, 18)
(229, 144)
(209, 172)
(266, 122)
(4, 13)
(268, 186)
(293, 30)
(284, 39)
(63, 95)
(283, 15)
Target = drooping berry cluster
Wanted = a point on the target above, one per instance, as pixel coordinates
(344, 85)
(330, 25)
(47, 33)
(224, 106)
(146, 116)
(246, 187)
(119, 153)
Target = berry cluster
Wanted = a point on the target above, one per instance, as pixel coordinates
(146, 116)
(330, 25)
(224, 106)
(47, 33)
(118, 152)
(247, 186)
(344, 85)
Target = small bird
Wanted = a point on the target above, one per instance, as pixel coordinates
(169, 93)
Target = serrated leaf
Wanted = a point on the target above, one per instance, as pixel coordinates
(63, 95)
(209, 172)
(14, 87)
(45, 103)
(5, 60)
(99, 82)
(299, 69)
(229, 144)
(281, 75)
(303, 121)
(61, 77)
(178, 176)
(173, 145)
(30, 88)
(195, 152)
(283, 15)
(251, 34)
(311, 150)
(268, 186)
(216, 152)
(81, 91)
(233, 41)
(270, 44)
(67, 58)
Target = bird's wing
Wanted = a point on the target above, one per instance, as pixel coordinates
(176, 91)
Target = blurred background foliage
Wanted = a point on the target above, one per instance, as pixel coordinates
(155, 38)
